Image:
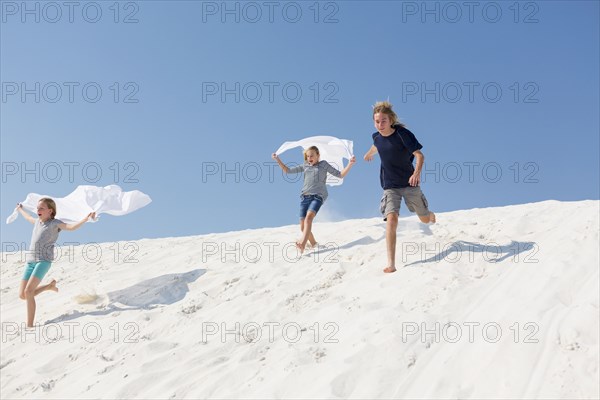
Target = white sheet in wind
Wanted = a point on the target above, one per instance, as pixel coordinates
(86, 199)
(331, 149)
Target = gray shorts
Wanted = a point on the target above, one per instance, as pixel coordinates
(413, 197)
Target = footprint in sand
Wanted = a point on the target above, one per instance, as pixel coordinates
(107, 369)
(343, 385)
(48, 386)
(229, 284)
(316, 293)
(257, 353)
(319, 354)
(191, 309)
(218, 361)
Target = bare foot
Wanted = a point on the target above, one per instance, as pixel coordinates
(52, 286)
(389, 270)
(431, 218)
(300, 247)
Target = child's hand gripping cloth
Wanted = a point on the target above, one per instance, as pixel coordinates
(331, 149)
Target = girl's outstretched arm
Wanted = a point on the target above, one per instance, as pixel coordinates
(72, 227)
(25, 214)
(347, 169)
(284, 167)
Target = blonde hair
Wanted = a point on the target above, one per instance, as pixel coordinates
(385, 107)
(314, 148)
(50, 204)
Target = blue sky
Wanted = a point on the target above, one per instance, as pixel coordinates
(504, 97)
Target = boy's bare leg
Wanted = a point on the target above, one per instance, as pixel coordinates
(428, 219)
(390, 240)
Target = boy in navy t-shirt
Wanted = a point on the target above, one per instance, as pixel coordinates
(397, 148)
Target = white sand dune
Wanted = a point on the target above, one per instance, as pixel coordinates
(488, 303)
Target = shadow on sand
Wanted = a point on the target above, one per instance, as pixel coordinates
(161, 290)
(490, 252)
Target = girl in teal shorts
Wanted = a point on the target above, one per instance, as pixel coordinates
(41, 251)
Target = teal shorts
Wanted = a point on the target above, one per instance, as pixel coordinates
(37, 269)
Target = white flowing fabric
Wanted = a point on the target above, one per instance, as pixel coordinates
(86, 199)
(331, 149)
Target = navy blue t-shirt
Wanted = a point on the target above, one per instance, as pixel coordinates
(396, 153)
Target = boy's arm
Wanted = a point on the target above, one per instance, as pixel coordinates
(25, 214)
(347, 169)
(72, 227)
(415, 179)
(284, 167)
(372, 151)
